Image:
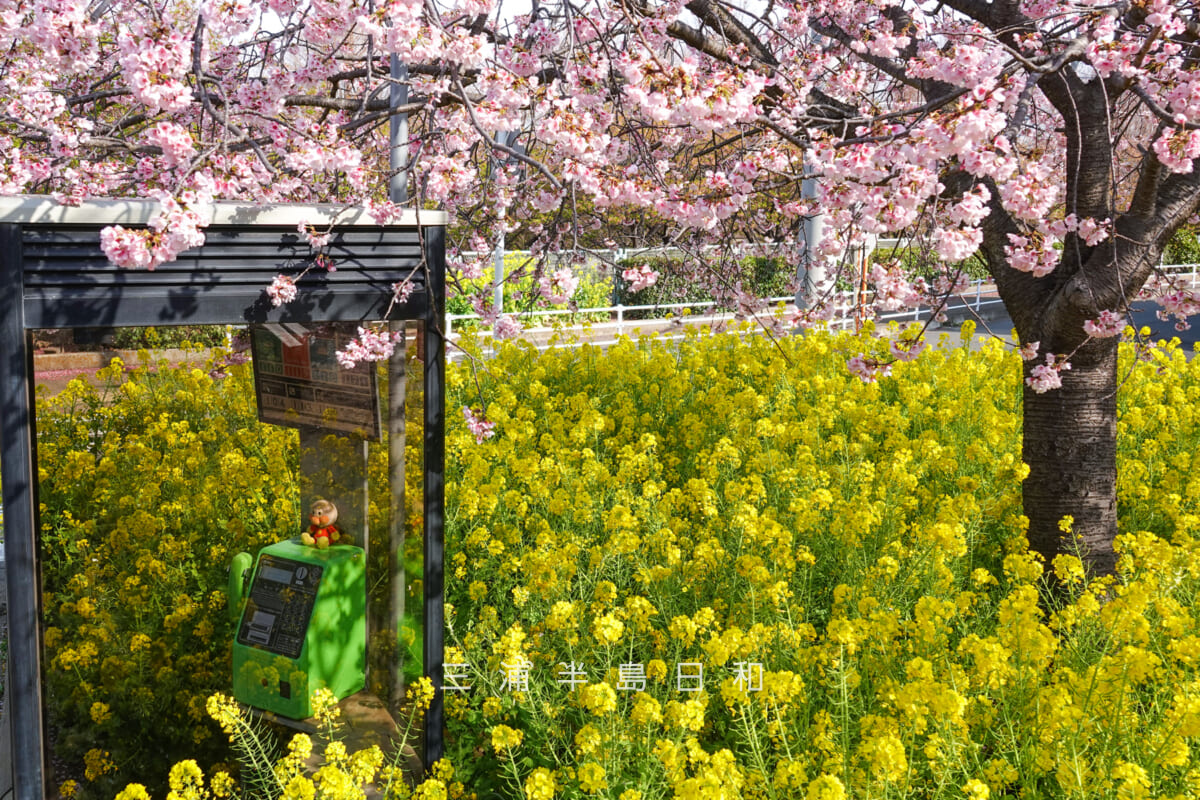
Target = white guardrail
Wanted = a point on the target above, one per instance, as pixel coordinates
(972, 302)
(1189, 271)
(618, 323)
(845, 302)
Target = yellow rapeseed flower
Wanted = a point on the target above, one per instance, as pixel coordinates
(607, 629)
(299, 788)
(100, 713)
(325, 706)
(96, 763)
(826, 787)
(222, 784)
(591, 777)
(420, 693)
(599, 698)
(134, 791)
(505, 738)
(540, 785)
(186, 782)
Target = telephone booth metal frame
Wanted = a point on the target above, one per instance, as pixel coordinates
(53, 274)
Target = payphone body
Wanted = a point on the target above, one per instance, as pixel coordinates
(303, 628)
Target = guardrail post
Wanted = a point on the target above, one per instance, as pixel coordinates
(978, 293)
(620, 319)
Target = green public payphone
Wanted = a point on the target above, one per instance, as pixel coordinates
(302, 626)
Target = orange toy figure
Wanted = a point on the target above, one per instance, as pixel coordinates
(321, 531)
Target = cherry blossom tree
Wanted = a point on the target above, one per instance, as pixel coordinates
(1056, 141)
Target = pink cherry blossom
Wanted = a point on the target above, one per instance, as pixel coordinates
(559, 286)
(868, 370)
(972, 208)
(155, 64)
(228, 18)
(282, 290)
(478, 425)
(1030, 194)
(640, 277)
(507, 327)
(1180, 304)
(126, 248)
(1093, 232)
(402, 290)
(892, 288)
(956, 244)
(316, 239)
(907, 349)
(368, 345)
(175, 141)
(383, 212)
(948, 279)
(1178, 149)
(1033, 254)
(1107, 324)
(1046, 377)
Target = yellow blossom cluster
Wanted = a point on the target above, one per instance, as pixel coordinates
(150, 481)
(844, 562)
(330, 773)
(725, 567)
(148, 487)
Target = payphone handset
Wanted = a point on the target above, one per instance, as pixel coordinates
(301, 626)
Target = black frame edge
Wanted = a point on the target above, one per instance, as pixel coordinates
(17, 460)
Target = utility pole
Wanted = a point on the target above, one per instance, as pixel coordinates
(505, 139)
(810, 272)
(397, 395)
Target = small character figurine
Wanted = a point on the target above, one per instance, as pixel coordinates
(321, 531)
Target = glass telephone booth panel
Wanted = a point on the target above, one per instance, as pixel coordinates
(212, 520)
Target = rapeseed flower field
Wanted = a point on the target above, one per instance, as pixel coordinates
(719, 568)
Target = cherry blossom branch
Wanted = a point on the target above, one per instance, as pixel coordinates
(731, 28)
(351, 104)
(1165, 116)
(495, 145)
(91, 97)
(205, 100)
(890, 68)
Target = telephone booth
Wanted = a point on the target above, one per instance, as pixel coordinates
(54, 275)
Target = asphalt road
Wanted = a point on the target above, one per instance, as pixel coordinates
(1143, 313)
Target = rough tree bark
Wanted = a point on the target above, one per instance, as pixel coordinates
(1070, 445)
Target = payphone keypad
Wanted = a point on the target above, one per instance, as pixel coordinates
(280, 605)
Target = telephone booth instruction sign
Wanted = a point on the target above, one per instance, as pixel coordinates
(300, 384)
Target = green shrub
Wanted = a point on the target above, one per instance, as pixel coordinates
(765, 276)
(1184, 246)
(594, 291)
(922, 262)
(179, 336)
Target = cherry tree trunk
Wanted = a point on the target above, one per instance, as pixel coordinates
(1070, 445)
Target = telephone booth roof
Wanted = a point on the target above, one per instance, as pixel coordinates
(67, 281)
